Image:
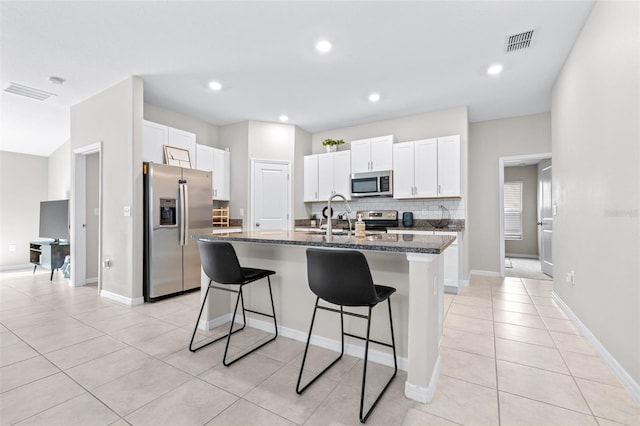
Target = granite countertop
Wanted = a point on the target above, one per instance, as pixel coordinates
(431, 244)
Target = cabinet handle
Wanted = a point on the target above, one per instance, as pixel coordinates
(439, 189)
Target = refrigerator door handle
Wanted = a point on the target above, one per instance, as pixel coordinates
(182, 193)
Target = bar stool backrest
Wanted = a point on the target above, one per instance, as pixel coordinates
(220, 262)
(341, 277)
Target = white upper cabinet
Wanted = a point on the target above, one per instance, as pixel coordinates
(155, 136)
(327, 174)
(342, 173)
(217, 161)
(311, 178)
(373, 154)
(403, 170)
(428, 168)
(449, 166)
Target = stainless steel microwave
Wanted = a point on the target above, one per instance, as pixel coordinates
(371, 184)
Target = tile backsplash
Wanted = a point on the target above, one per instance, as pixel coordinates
(421, 208)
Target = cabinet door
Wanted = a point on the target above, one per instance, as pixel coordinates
(360, 156)
(154, 137)
(426, 168)
(325, 176)
(382, 153)
(451, 262)
(449, 166)
(403, 173)
(204, 158)
(221, 174)
(311, 178)
(342, 173)
(185, 140)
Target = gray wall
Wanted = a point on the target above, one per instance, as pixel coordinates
(114, 117)
(206, 134)
(23, 184)
(488, 141)
(528, 246)
(596, 180)
(91, 219)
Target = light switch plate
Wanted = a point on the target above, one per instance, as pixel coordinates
(126, 210)
(554, 209)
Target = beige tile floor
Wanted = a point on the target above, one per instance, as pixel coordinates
(509, 357)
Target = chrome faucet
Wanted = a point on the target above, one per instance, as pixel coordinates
(329, 222)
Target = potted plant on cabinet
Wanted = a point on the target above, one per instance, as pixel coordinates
(332, 144)
(312, 221)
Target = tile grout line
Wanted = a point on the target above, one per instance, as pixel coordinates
(568, 369)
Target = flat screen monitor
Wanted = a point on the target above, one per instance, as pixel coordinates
(54, 219)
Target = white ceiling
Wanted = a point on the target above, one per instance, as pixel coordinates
(420, 56)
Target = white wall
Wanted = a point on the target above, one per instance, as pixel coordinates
(60, 173)
(528, 246)
(302, 148)
(206, 133)
(114, 117)
(596, 180)
(488, 141)
(236, 137)
(23, 184)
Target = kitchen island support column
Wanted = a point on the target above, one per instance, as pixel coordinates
(426, 310)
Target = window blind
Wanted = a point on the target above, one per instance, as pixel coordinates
(513, 210)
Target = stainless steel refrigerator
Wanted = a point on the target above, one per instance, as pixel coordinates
(176, 200)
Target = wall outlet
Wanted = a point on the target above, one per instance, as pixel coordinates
(12, 247)
(241, 212)
(126, 210)
(571, 278)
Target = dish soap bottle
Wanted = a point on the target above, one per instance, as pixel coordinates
(360, 228)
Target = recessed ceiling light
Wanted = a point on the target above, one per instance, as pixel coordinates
(495, 69)
(56, 80)
(215, 85)
(374, 97)
(323, 46)
(284, 118)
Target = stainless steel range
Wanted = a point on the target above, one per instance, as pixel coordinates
(379, 220)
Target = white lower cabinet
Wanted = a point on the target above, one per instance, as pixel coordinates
(452, 257)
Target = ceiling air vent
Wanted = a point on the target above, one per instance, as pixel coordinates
(29, 92)
(519, 41)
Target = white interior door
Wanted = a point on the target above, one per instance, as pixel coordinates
(270, 195)
(545, 224)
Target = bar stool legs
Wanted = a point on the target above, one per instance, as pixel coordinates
(239, 299)
(367, 339)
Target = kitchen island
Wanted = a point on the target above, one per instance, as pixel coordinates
(411, 263)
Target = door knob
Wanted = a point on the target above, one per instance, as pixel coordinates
(539, 223)
(257, 225)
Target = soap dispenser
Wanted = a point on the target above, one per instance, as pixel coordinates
(360, 227)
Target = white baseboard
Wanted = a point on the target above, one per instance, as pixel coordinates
(121, 299)
(420, 393)
(522, 256)
(631, 385)
(484, 273)
(376, 356)
(13, 267)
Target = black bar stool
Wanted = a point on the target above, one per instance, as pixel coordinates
(221, 265)
(343, 277)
